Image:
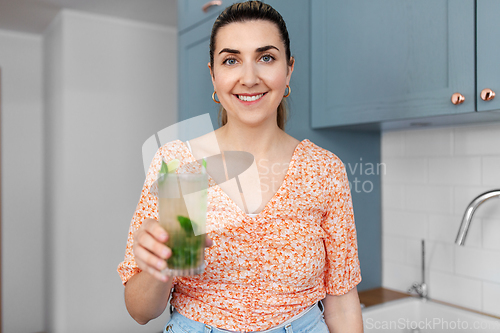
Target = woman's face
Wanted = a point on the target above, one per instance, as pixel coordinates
(250, 70)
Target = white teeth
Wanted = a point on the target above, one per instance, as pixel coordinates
(250, 98)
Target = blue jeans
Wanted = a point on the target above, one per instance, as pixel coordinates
(312, 322)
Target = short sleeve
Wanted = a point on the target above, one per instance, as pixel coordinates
(342, 271)
(146, 208)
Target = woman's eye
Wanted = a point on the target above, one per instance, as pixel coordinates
(230, 61)
(267, 58)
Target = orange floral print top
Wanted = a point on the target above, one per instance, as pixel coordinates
(263, 270)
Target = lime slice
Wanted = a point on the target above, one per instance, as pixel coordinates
(169, 167)
(173, 165)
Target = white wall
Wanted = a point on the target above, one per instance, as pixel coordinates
(432, 175)
(110, 84)
(22, 181)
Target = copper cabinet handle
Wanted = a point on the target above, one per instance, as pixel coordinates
(487, 94)
(209, 4)
(457, 98)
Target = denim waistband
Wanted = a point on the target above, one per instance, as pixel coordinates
(304, 323)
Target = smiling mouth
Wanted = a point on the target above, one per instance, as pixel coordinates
(250, 98)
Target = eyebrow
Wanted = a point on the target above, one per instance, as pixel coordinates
(265, 48)
(258, 50)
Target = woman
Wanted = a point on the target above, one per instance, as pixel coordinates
(269, 271)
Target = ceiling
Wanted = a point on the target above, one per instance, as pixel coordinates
(33, 16)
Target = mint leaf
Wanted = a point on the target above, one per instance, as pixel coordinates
(164, 167)
(185, 223)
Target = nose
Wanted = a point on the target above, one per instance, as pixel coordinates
(249, 75)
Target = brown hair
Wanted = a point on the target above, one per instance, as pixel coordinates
(249, 11)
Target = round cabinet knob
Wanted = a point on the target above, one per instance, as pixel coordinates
(487, 94)
(457, 98)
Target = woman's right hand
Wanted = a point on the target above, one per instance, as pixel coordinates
(149, 249)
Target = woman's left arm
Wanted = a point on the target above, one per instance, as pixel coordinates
(343, 313)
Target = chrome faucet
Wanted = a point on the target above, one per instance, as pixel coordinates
(464, 227)
(421, 288)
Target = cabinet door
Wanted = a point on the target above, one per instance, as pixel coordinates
(195, 84)
(488, 51)
(190, 12)
(390, 59)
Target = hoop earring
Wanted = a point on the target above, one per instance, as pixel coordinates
(213, 97)
(289, 91)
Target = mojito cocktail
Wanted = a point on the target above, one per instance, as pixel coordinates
(182, 206)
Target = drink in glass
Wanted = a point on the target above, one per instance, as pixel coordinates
(182, 205)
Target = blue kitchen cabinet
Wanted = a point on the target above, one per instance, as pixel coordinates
(384, 60)
(192, 13)
(488, 51)
(359, 150)
(195, 84)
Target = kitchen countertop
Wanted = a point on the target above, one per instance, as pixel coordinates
(380, 295)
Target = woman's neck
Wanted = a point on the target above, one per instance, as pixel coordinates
(258, 141)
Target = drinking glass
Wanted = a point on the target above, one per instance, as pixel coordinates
(182, 205)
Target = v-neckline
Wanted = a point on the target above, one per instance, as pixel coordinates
(271, 201)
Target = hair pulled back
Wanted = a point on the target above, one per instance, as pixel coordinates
(250, 11)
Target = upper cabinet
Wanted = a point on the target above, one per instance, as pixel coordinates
(193, 12)
(386, 60)
(195, 84)
(488, 50)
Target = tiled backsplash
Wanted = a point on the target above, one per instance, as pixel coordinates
(431, 176)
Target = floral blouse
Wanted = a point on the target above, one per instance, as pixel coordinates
(263, 270)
